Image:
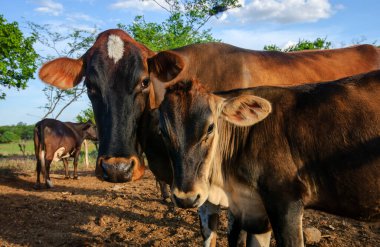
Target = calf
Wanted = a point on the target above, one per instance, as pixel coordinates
(276, 151)
(55, 140)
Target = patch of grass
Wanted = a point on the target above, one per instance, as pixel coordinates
(7, 149)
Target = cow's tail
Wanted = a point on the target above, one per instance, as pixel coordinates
(39, 146)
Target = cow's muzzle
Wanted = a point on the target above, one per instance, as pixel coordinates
(119, 170)
(186, 201)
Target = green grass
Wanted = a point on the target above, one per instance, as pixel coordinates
(7, 149)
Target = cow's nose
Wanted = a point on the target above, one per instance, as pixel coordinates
(119, 169)
(118, 172)
(187, 202)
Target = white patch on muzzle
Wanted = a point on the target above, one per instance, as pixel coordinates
(115, 47)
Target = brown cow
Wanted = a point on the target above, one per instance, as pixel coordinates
(116, 74)
(55, 140)
(224, 67)
(277, 150)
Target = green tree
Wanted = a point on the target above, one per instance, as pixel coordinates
(303, 44)
(8, 136)
(86, 115)
(17, 56)
(185, 24)
(77, 42)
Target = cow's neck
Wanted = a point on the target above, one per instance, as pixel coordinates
(78, 131)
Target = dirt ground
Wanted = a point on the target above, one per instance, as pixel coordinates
(88, 212)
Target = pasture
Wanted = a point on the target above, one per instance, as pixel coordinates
(89, 212)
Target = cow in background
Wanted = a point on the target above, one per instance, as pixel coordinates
(55, 140)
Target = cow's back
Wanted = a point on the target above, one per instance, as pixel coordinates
(221, 66)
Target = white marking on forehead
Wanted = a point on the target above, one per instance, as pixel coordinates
(115, 47)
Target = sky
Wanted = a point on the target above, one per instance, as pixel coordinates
(256, 24)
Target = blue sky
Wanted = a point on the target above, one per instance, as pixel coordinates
(257, 23)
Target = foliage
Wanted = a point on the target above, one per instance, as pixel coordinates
(182, 27)
(76, 43)
(303, 44)
(166, 35)
(18, 132)
(86, 115)
(8, 137)
(17, 56)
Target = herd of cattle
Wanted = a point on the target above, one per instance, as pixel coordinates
(266, 134)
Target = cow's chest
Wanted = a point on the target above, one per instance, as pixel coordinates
(246, 205)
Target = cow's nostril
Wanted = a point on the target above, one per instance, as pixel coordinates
(197, 198)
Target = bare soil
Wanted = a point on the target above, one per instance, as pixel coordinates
(89, 212)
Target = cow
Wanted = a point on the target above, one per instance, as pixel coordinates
(123, 82)
(55, 140)
(276, 151)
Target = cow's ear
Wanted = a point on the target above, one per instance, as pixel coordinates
(165, 65)
(245, 110)
(63, 73)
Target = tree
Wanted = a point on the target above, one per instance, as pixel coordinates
(76, 43)
(8, 136)
(86, 115)
(183, 26)
(17, 56)
(303, 44)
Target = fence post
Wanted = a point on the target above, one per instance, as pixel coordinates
(86, 153)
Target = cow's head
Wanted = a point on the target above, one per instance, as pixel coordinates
(90, 131)
(193, 124)
(117, 79)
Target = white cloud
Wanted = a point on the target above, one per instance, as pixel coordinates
(282, 11)
(145, 5)
(49, 7)
(80, 17)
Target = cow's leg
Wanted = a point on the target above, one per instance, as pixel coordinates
(66, 163)
(164, 191)
(48, 182)
(76, 158)
(259, 240)
(236, 235)
(209, 219)
(38, 169)
(286, 221)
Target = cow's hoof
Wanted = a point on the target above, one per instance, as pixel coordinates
(37, 187)
(76, 177)
(49, 184)
(68, 177)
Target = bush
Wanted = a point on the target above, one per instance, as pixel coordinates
(9, 136)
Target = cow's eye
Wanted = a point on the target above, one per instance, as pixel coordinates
(145, 83)
(210, 129)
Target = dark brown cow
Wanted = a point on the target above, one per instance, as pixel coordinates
(277, 150)
(116, 74)
(118, 85)
(55, 140)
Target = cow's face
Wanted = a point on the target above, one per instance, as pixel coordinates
(117, 80)
(90, 131)
(191, 123)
